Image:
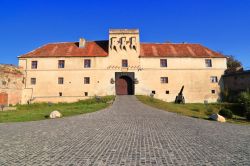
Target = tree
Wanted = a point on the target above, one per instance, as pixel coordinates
(233, 65)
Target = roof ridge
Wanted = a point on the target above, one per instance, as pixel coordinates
(169, 43)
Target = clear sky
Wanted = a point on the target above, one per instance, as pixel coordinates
(222, 25)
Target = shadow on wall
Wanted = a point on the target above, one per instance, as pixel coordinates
(102, 44)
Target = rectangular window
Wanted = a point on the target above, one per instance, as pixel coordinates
(87, 63)
(164, 80)
(167, 91)
(213, 79)
(208, 62)
(86, 94)
(34, 65)
(153, 92)
(213, 91)
(163, 62)
(86, 80)
(60, 80)
(60, 93)
(61, 64)
(33, 81)
(124, 63)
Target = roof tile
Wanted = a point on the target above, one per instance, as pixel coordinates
(100, 49)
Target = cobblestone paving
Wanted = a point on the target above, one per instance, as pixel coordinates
(128, 133)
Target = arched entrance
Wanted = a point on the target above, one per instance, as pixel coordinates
(124, 86)
(3, 98)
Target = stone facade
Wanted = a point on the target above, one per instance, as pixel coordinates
(161, 68)
(11, 85)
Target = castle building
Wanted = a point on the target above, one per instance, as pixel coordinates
(122, 65)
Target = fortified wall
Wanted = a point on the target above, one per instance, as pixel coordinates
(11, 85)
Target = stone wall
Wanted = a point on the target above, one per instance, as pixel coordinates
(11, 83)
(237, 82)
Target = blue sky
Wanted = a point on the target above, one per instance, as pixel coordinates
(222, 25)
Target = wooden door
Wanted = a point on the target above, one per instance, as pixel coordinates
(3, 98)
(121, 86)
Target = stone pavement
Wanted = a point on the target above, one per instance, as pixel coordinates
(127, 133)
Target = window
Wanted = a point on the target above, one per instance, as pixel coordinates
(208, 62)
(86, 94)
(60, 93)
(214, 79)
(124, 63)
(87, 63)
(163, 63)
(4, 82)
(86, 80)
(61, 64)
(34, 65)
(33, 81)
(164, 80)
(213, 91)
(60, 80)
(167, 92)
(153, 92)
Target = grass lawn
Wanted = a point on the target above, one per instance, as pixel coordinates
(40, 111)
(196, 110)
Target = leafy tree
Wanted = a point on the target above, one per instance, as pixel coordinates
(244, 98)
(233, 64)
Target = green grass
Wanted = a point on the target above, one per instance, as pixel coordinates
(40, 111)
(196, 110)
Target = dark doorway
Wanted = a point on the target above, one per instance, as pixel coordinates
(124, 83)
(3, 98)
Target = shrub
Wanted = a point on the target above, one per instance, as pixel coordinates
(237, 109)
(227, 113)
(244, 98)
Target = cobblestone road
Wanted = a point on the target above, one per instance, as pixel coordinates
(128, 133)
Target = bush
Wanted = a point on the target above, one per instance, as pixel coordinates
(227, 113)
(237, 109)
(244, 98)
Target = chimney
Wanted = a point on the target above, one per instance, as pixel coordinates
(82, 43)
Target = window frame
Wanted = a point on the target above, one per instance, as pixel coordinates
(87, 65)
(86, 80)
(32, 81)
(61, 64)
(164, 80)
(34, 66)
(165, 64)
(124, 61)
(60, 80)
(214, 79)
(208, 63)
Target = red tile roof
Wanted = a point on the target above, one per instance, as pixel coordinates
(100, 49)
(177, 50)
(70, 49)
